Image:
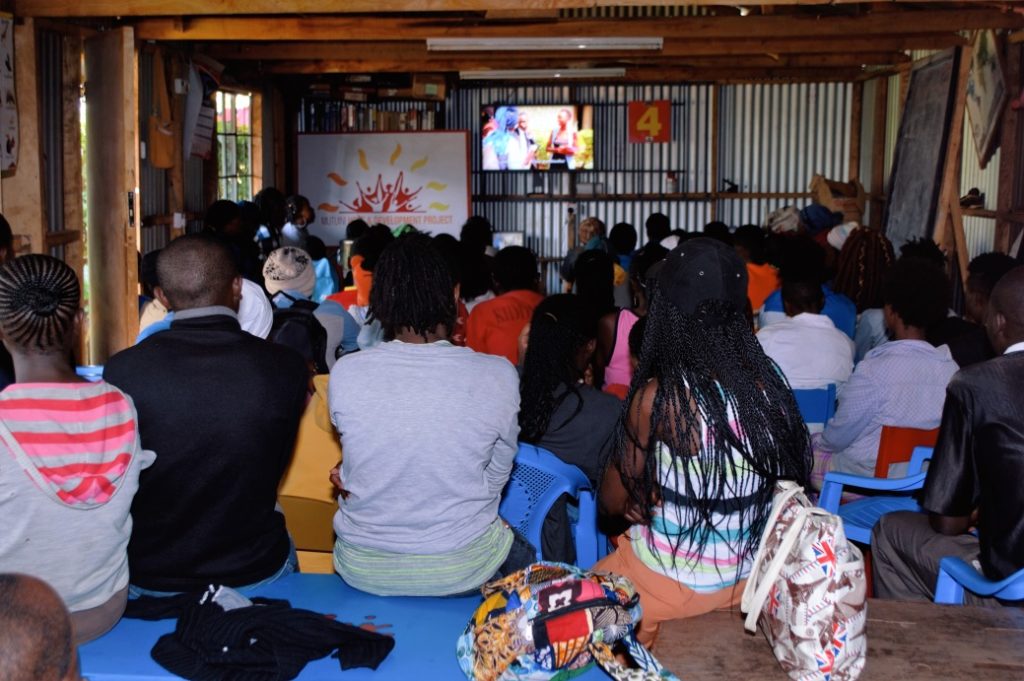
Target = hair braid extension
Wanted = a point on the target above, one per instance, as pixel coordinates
(864, 261)
(39, 297)
(718, 395)
(412, 288)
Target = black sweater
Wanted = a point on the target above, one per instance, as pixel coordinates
(221, 409)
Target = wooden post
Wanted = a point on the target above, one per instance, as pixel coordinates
(949, 219)
(74, 214)
(111, 81)
(713, 180)
(1010, 142)
(878, 152)
(856, 119)
(176, 175)
(24, 206)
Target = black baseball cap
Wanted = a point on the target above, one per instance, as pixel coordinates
(703, 269)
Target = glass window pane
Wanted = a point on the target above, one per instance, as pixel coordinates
(219, 97)
(243, 147)
(221, 155)
(243, 114)
(229, 113)
(230, 160)
(222, 189)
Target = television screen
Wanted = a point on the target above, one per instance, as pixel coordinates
(537, 137)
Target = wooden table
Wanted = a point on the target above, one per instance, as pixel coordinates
(906, 642)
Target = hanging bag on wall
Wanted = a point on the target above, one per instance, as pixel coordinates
(161, 130)
(807, 590)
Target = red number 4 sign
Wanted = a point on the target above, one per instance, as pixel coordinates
(650, 121)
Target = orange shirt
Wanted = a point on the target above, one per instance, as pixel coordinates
(763, 280)
(345, 297)
(363, 280)
(494, 325)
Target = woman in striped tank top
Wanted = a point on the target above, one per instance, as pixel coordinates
(70, 454)
(711, 426)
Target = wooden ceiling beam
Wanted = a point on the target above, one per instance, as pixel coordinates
(691, 28)
(155, 8)
(416, 50)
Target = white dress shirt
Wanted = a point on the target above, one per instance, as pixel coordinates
(810, 350)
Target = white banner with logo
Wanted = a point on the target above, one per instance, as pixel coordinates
(394, 178)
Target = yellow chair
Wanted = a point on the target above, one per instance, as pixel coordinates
(306, 494)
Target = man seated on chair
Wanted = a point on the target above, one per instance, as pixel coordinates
(899, 383)
(429, 431)
(975, 473)
(807, 346)
(494, 325)
(220, 407)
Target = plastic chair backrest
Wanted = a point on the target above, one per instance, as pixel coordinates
(897, 446)
(816, 405)
(538, 479)
(955, 575)
(310, 522)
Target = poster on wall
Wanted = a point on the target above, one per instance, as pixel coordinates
(649, 122)
(9, 105)
(986, 95)
(394, 178)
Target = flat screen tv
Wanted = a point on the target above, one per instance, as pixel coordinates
(516, 137)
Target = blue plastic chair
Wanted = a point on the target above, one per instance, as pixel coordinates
(817, 405)
(955, 575)
(538, 479)
(859, 517)
(91, 372)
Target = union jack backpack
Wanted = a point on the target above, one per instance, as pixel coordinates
(807, 591)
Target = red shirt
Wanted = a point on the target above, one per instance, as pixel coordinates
(494, 325)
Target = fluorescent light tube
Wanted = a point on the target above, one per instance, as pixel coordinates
(541, 74)
(569, 44)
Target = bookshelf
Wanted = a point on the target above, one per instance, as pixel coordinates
(324, 108)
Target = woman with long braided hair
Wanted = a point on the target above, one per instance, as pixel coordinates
(711, 425)
(864, 261)
(74, 452)
(558, 410)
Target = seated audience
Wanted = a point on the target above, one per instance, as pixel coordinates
(636, 341)
(220, 407)
(430, 433)
(273, 214)
(476, 258)
(718, 230)
(290, 279)
(657, 228)
(494, 325)
(975, 474)
(298, 216)
(255, 313)
(594, 285)
(749, 242)
(591, 236)
(807, 346)
(622, 239)
(899, 383)
(35, 632)
(803, 259)
(449, 248)
(223, 219)
(327, 280)
(558, 410)
(152, 311)
(966, 337)
(612, 356)
(73, 449)
(707, 409)
(864, 261)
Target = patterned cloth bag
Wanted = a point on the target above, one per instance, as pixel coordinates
(552, 621)
(807, 589)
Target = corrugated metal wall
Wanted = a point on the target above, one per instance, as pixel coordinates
(775, 138)
(152, 181)
(49, 62)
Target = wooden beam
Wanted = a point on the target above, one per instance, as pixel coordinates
(878, 151)
(133, 8)
(71, 89)
(692, 28)
(24, 206)
(949, 222)
(1010, 143)
(856, 119)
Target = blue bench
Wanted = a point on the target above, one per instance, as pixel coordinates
(425, 629)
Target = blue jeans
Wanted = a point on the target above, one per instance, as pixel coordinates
(291, 564)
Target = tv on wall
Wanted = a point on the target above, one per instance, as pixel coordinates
(515, 137)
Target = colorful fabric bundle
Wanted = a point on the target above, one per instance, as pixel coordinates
(551, 621)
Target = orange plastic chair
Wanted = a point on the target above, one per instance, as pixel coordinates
(897, 446)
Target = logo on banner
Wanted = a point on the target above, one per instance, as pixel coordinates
(389, 194)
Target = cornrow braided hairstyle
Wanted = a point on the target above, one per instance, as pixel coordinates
(559, 328)
(39, 298)
(722, 409)
(863, 264)
(412, 288)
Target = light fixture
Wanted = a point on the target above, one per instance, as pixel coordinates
(548, 44)
(541, 74)
(744, 11)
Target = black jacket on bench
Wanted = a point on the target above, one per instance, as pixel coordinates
(221, 409)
